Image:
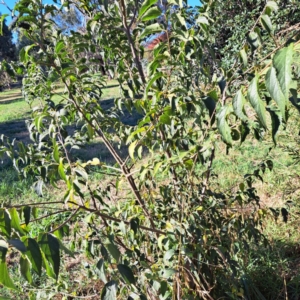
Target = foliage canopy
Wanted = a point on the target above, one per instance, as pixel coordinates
(159, 229)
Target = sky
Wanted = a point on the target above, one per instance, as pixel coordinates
(11, 3)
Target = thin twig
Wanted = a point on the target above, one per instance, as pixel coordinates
(48, 215)
(205, 183)
(65, 222)
(34, 204)
(102, 215)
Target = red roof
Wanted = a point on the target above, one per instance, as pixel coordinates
(162, 37)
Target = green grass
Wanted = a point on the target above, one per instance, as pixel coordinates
(13, 107)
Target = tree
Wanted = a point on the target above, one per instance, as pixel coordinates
(171, 238)
(70, 19)
(7, 51)
(235, 19)
(7, 47)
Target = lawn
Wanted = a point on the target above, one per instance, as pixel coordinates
(14, 107)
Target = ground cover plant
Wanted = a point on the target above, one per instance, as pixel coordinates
(156, 219)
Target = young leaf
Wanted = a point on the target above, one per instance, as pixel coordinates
(223, 126)
(256, 101)
(126, 273)
(4, 276)
(109, 292)
(275, 91)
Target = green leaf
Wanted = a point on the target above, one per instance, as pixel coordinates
(25, 268)
(152, 13)
(151, 81)
(153, 28)
(5, 222)
(223, 126)
(15, 221)
(210, 104)
(56, 153)
(145, 6)
(168, 255)
(114, 251)
(100, 270)
(2, 20)
(165, 119)
(82, 173)
(50, 246)
(4, 276)
(131, 149)
(282, 62)
(34, 254)
(126, 273)
(275, 91)
(238, 105)
(157, 167)
(168, 273)
(272, 5)
(39, 123)
(109, 292)
(59, 46)
(26, 214)
(61, 170)
(276, 122)
(181, 19)
(256, 101)
(3, 249)
(244, 57)
(19, 245)
(202, 20)
(267, 24)
(65, 249)
(253, 40)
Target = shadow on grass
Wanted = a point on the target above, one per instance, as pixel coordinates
(17, 130)
(10, 100)
(274, 272)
